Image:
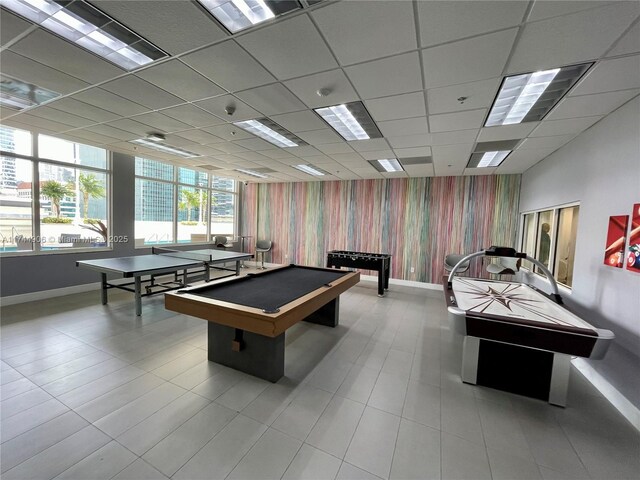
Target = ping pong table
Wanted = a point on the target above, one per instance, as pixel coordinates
(162, 261)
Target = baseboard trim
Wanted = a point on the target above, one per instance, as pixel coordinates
(619, 401)
(44, 294)
(404, 283)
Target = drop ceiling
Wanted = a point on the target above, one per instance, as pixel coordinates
(427, 72)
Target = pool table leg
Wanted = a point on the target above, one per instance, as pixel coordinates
(559, 379)
(470, 354)
(260, 356)
(327, 315)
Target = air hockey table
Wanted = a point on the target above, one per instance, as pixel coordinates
(517, 338)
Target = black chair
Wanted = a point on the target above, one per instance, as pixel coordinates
(452, 259)
(263, 246)
(220, 241)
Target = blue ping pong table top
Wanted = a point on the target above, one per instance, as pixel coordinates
(160, 263)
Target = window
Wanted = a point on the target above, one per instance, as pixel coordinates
(71, 208)
(550, 237)
(181, 205)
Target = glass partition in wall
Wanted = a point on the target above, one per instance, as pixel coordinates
(181, 205)
(550, 236)
(54, 194)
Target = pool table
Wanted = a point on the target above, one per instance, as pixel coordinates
(248, 316)
(518, 339)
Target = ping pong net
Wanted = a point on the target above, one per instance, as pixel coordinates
(167, 252)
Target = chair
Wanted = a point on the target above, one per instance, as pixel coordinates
(263, 246)
(452, 259)
(505, 266)
(220, 241)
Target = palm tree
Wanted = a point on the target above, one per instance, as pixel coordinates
(90, 186)
(56, 191)
(190, 199)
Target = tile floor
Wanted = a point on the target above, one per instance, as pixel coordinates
(91, 392)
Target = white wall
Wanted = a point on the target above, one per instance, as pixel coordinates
(601, 170)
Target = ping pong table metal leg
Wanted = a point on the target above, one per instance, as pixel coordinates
(237, 268)
(138, 295)
(207, 271)
(103, 292)
(185, 278)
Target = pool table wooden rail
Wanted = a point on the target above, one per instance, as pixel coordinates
(252, 319)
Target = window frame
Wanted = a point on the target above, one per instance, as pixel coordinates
(553, 247)
(176, 185)
(36, 219)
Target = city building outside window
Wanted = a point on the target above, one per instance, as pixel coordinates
(47, 203)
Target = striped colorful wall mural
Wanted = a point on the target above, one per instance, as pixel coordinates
(417, 220)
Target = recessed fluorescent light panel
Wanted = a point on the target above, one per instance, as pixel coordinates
(350, 120)
(311, 170)
(387, 165)
(251, 173)
(271, 132)
(487, 159)
(88, 27)
(530, 96)
(161, 147)
(237, 15)
(15, 93)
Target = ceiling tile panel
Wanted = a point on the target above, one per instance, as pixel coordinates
(442, 22)
(569, 39)
(33, 72)
(448, 122)
(549, 128)
(552, 143)
(57, 53)
(85, 110)
(452, 138)
(303, 121)
(412, 152)
(521, 160)
(468, 172)
(142, 92)
(506, 132)
(333, 148)
(255, 144)
(306, 89)
(397, 106)
(348, 28)
(160, 122)
(451, 159)
(200, 136)
(300, 48)
(271, 99)
(589, 105)
(110, 131)
(192, 115)
(467, 96)
(59, 116)
(11, 26)
(180, 80)
(410, 141)
(369, 145)
(377, 154)
(228, 132)
(629, 43)
(610, 75)
(140, 130)
(545, 9)
(192, 26)
(420, 170)
(217, 106)
(110, 102)
(229, 66)
(407, 126)
(389, 76)
(43, 123)
(478, 58)
(319, 137)
(94, 138)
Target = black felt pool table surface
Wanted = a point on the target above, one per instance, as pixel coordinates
(272, 289)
